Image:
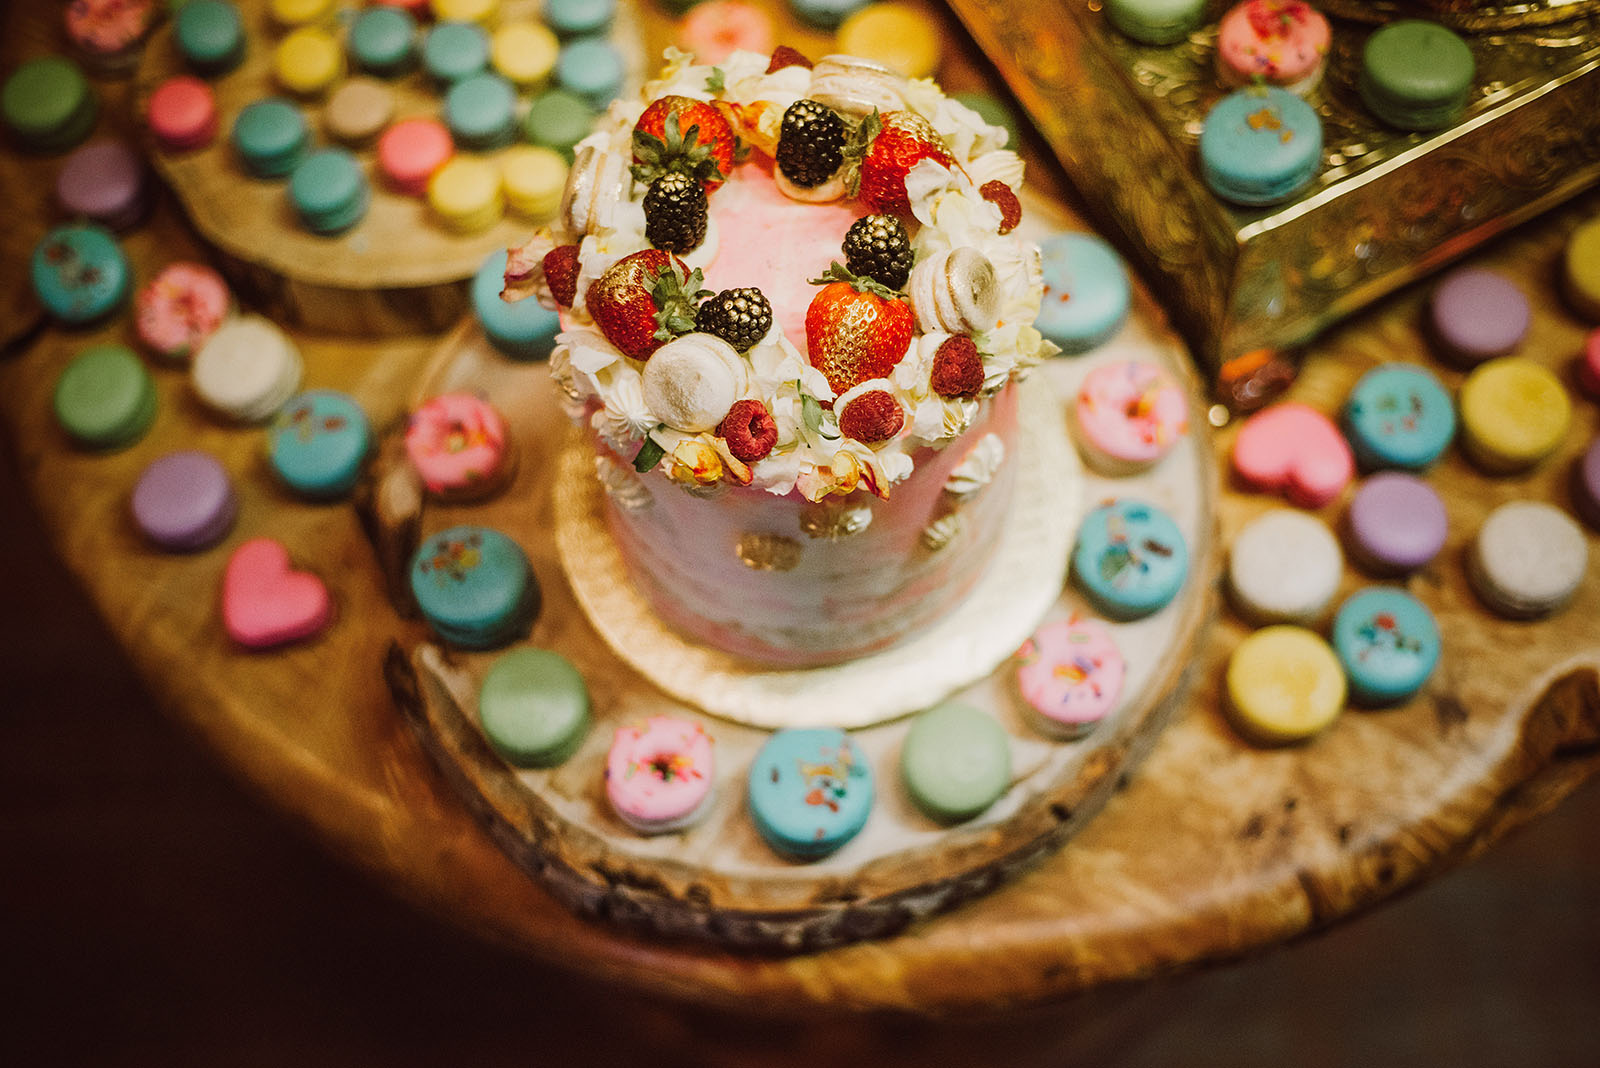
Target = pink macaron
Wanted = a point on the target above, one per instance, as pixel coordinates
(180, 308)
(1282, 42)
(716, 28)
(183, 114)
(409, 152)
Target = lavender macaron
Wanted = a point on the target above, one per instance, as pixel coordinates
(1586, 485)
(1476, 315)
(184, 502)
(105, 182)
(1396, 523)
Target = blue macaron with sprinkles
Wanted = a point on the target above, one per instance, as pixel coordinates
(1086, 291)
(810, 791)
(318, 443)
(1260, 146)
(475, 587)
(1388, 644)
(80, 273)
(1130, 560)
(525, 330)
(1399, 415)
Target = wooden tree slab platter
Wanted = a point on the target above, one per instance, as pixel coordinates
(400, 269)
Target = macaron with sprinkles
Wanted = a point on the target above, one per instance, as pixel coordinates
(474, 587)
(80, 273)
(1260, 146)
(810, 791)
(180, 308)
(109, 35)
(661, 774)
(716, 28)
(460, 448)
(1069, 675)
(955, 762)
(1086, 291)
(318, 443)
(1129, 415)
(105, 398)
(1399, 415)
(533, 707)
(1388, 643)
(1130, 559)
(1284, 685)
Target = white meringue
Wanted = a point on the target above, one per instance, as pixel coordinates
(957, 291)
(692, 381)
(855, 86)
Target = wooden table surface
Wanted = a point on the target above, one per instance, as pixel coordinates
(1214, 849)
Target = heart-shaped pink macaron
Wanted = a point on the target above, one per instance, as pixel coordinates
(265, 602)
(1294, 449)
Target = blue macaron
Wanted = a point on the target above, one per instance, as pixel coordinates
(579, 18)
(481, 111)
(210, 34)
(525, 330)
(271, 137)
(455, 50)
(1086, 291)
(318, 443)
(475, 587)
(1130, 559)
(383, 41)
(80, 273)
(329, 191)
(1259, 146)
(590, 67)
(1388, 643)
(827, 14)
(1399, 415)
(810, 791)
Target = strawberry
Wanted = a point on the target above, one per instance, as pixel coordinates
(645, 300)
(784, 56)
(905, 139)
(856, 328)
(679, 133)
(561, 273)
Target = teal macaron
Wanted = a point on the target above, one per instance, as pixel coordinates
(383, 41)
(1388, 643)
(810, 791)
(1155, 22)
(211, 36)
(105, 398)
(1259, 146)
(455, 50)
(80, 273)
(1130, 559)
(525, 330)
(993, 112)
(1399, 416)
(1416, 75)
(475, 587)
(48, 104)
(329, 191)
(558, 120)
(533, 707)
(579, 18)
(591, 68)
(271, 137)
(955, 762)
(481, 111)
(1086, 291)
(318, 442)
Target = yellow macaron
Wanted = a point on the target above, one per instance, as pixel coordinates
(897, 35)
(525, 52)
(308, 61)
(1284, 685)
(534, 178)
(1581, 270)
(479, 11)
(466, 194)
(300, 12)
(1514, 413)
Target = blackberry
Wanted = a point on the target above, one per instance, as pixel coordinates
(878, 247)
(675, 212)
(741, 317)
(810, 143)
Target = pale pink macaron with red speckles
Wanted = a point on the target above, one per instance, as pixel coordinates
(180, 308)
(182, 114)
(1282, 42)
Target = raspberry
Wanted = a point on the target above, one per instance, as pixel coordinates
(784, 56)
(1002, 196)
(749, 430)
(561, 273)
(957, 368)
(872, 417)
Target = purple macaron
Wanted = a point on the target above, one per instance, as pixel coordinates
(104, 181)
(1476, 315)
(1397, 523)
(1586, 485)
(184, 501)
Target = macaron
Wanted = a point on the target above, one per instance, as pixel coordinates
(80, 273)
(826, 14)
(291, 13)
(1284, 567)
(1069, 675)
(1129, 415)
(1580, 270)
(460, 448)
(993, 112)
(1589, 364)
(48, 104)
(1396, 523)
(1086, 291)
(1281, 42)
(1260, 146)
(661, 774)
(267, 602)
(180, 308)
(1295, 450)
(184, 501)
(474, 587)
(579, 18)
(480, 11)
(417, 9)
(534, 177)
(533, 708)
(358, 111)
(1399, 415)
(1586, 484)
(1387, 642)
(591, 68)
(465, 194)
(715, 29)
(480, 111)
(109, 35)
(410, 151)
(1476, 315)
(1528, 559)
(246, 370)
(270, 137)
(211, 36)
(182, 114)
(525, 330)
(308, 61)
(901, 37)
(329, 191)
(383, 41)
(1514, 413)
(455, 50)
(1130, 559)
(1416, 75)
(105, 182)
(955, 762)
(105, 398)
(558, 120)
(318, 442)
(1284, 685)
(809, 791)
(524, 53)
(1155, 22)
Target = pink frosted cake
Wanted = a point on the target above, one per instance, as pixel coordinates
(796, 361)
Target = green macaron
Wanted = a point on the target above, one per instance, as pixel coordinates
(105, 398)
(1416, 75)
(955, 762)
(533, 707)
(558, 119)
(48, 105)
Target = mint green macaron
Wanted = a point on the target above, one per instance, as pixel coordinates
(105, 398)
(533, 707)
(1155, 22)
(1416, 75)
(558, 120)
(955, 762)
(330, 191)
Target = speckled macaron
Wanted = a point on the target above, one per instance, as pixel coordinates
(460, 447)
(211, 36)
(715, 29)
(474, 587)
(1155, 22)
(383, 41)
(1284, 685)
(579, 18)
(525, 330)
(329, 191)
(1086, 291)
(591, 68)
(80, 273)
(1399, 415)
(1528, 559)
(318, 443)
(1396, 523)
(455, 50)
(661, 775)
(1514, 413)
(105, 398)
(1284, 566)
(1069, 676)
(480, 111)
(1415, 74)
(177, 310)
(1260, 146)
(270, 137)
(558, 120)
(109, 35)
(810, 791)
(1129, 415)
(48, 104)
(1476, 315)
(1130, 559)
(533, 707)
(955, 762)
(1388, 644)
(184, 501)
(105, 182)
(246, 370)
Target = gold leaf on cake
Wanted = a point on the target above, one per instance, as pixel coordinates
(941, 532)
(832, 522)
(762, 551)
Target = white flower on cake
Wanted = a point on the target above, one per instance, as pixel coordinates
(979, 468)
(624, 419)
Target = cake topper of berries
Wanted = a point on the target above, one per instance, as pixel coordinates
(675, 212)
(957, 368)
(679, 133)
(741, 317)
(644, 300)
(872, 417)
(811, 143)
(561, 269)
(749, 430)
(856, 328)
(878, 246)
(904, 140)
